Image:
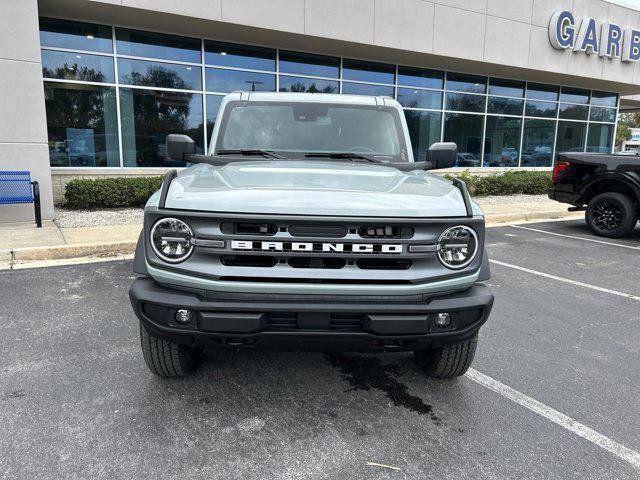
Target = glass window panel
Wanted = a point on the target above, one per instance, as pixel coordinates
(415, 98)
(307, 64)
(213, 105)
(82, 125)
(420, 77)
(508, 106)
(604, 99)
(574, 95)
(541, 109)
(599, 138)
(309, 85)
(77, 66)
(75, 35)
(466, 132)
(502, 141)
(537, 142)
(539, 91)
(570, 137)
(367, 89)
(508, 88)
(220, 80)
(148, 116)
(465, 102)
(157, 45)
(159, 74)
(573, 112)
(466, 83)
(601, 114)
(424, 129)
(368, 71)
(239, 56)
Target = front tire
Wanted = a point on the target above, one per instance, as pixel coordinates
(165, 358)
(611, 215)
(448, 361)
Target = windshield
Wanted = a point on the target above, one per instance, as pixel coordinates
(302, 128)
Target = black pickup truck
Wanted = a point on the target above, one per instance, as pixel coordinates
(608, 186)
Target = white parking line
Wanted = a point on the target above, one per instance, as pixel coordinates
(567, 280)
(576, 237)
(624, 453)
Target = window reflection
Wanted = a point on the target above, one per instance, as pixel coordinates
(538, 91)
(505, 87)
(157, 45)
(600, 114)
(466, 83)
(573, 112)
(570, 137)
(574, 95)
(239, 56)
(77, 66)
(541, 109)
(466, 132)
(366, 89)
(604, 99)
(75, 35)
(82, 125)
(420, 77)
(308, 85)
(465, 102)
(159, 74)
(537, 142)
(507, 106)
(600, 138)
(424, 129)
(416, 98)
(502, 141)
(368, 71)
(220, 80)
(307, 64)
(148, 116)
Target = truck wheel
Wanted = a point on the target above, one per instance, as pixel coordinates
(165, 358)
(448, 361)
(611, 215)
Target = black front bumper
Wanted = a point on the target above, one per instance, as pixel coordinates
(294, 322)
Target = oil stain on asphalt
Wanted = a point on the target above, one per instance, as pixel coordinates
(365, 373)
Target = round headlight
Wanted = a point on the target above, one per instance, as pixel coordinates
(457, 246)
(171, 240)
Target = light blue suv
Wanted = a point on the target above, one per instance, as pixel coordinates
(309, 225)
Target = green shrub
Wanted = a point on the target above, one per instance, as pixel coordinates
(84, 194)
(508, 183)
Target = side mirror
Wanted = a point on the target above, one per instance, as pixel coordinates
(442, 155)
(179, 145)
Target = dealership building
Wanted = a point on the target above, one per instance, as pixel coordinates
(91, 88)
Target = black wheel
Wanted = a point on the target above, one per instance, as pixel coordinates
(168, 359)
(448, 361)
(611, 215)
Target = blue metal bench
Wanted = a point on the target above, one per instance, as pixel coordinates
(17, 187)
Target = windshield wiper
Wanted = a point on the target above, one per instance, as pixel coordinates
(250, 152)
(345, 155)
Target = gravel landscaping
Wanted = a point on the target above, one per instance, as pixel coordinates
(91, 218)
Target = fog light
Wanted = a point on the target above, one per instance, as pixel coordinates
(443, 320)
(184, 316)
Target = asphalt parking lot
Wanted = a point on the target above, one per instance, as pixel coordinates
(76, 400)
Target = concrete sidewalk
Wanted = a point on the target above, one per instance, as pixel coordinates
(22, 242)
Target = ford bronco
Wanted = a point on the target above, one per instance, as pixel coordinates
(310, 225)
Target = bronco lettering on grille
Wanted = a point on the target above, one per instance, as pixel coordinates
(316, 247)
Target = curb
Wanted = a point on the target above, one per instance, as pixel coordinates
(500, 218)
(72, 251)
